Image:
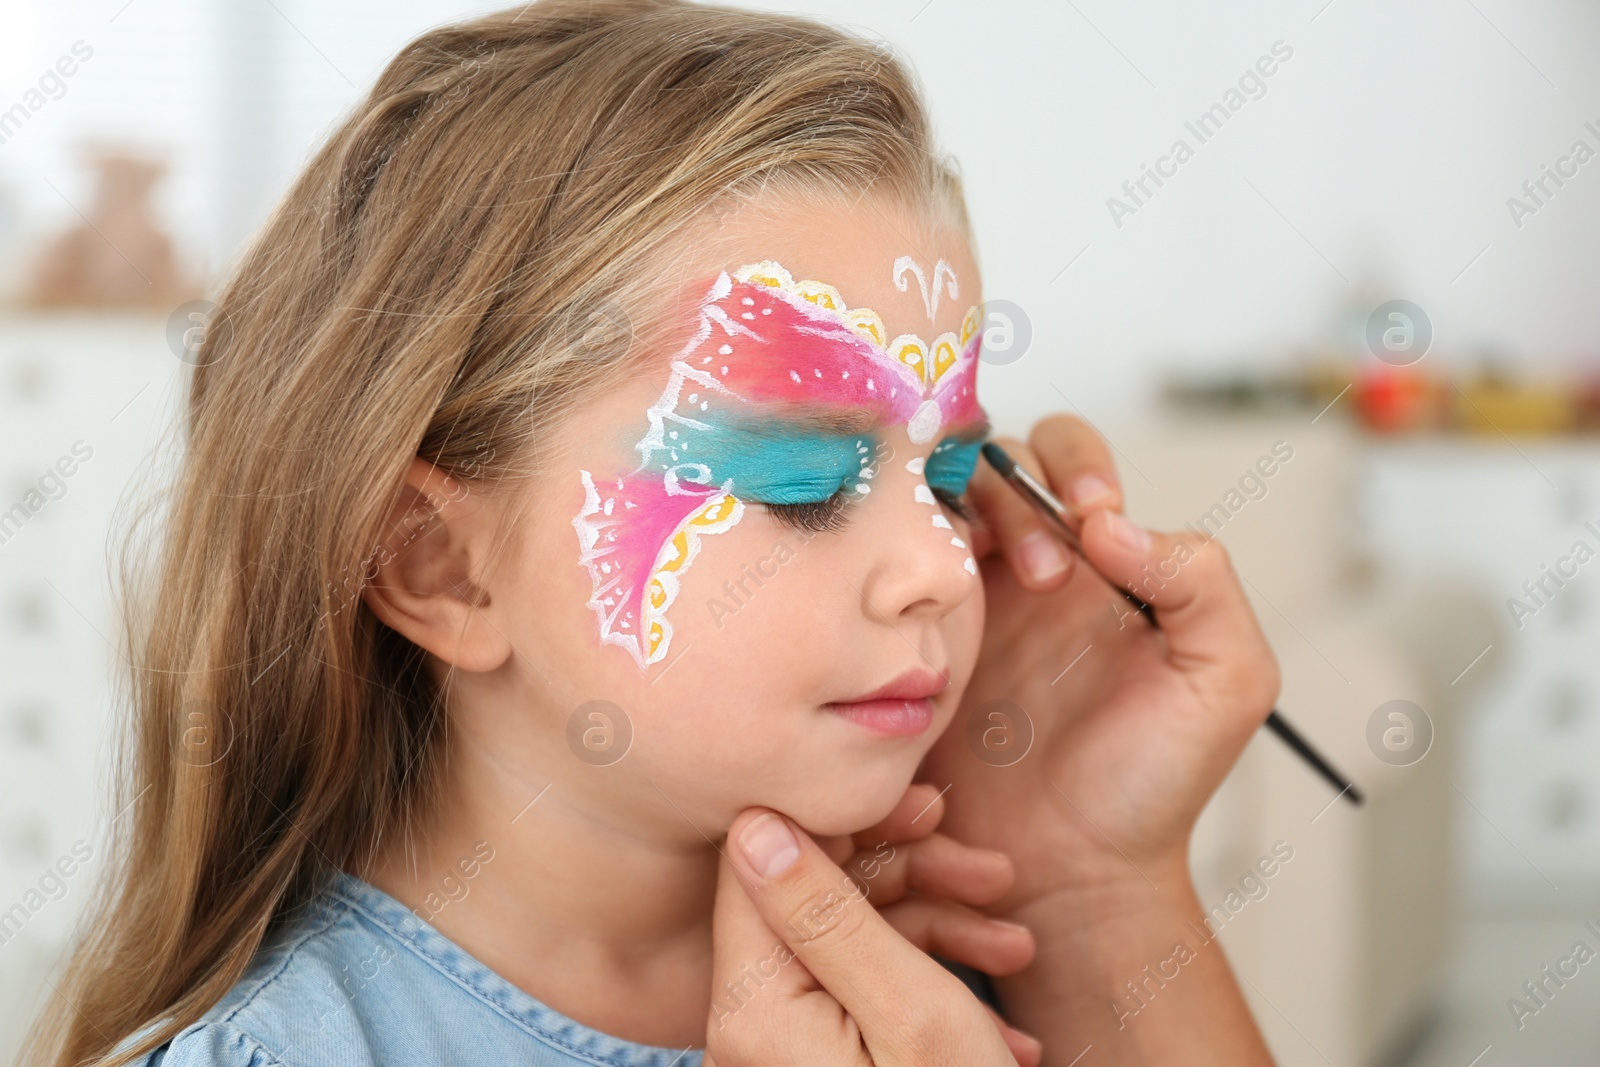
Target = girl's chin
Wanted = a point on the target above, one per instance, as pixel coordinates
(852, 809)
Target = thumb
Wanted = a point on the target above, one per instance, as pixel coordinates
(754, 974)
(897, 995)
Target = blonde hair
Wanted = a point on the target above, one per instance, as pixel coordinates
(424, 288)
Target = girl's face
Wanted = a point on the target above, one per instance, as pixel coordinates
(747, 571)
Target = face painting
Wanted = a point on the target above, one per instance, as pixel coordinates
(775, 400)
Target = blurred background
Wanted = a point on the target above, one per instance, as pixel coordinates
(1322, 272)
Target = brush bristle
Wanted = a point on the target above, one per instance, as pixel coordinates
(998, 459)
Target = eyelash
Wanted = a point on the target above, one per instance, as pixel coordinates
(824, 515)
(817, 516)
(954, 503)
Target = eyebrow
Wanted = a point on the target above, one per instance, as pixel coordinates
(841, 421)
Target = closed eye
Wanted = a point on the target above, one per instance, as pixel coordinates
(821, 516)
(815, 516)
(831, 514)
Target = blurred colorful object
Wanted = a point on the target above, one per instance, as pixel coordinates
(1395, 401)
(1495, 405)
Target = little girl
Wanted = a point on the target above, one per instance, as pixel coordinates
(579, 461)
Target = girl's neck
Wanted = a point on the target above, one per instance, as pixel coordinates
(602, 913)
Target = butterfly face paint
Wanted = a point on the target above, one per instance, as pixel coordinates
(772, 401)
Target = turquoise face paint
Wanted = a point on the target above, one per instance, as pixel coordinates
(951, 464)
(770, 463)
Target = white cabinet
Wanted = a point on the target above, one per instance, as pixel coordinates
(1498, 516)
(82, 400)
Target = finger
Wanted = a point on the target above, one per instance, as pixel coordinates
(1025, 1048)
(1199, 603)
(1077, 464)
(937, 867)
(947, 929)
(762, 996)
(893, 990)
(753, 972)
(944, 867)
(1036, 555)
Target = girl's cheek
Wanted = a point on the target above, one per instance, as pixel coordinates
(743, 582)
(980, 605)
(963, 633)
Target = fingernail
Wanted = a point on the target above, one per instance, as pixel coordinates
(1088, 490)
(1011, 925)
(1130, 535)
(769, 845)
(1041, 556)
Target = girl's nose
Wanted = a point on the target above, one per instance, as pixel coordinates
(919, 561)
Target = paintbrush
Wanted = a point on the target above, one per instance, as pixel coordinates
(1055, 516)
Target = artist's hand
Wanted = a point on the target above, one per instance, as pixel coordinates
(928, 886)
(806, 972)
(1134, 728)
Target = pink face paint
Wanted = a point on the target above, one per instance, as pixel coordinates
(745, 416)
(632, 521)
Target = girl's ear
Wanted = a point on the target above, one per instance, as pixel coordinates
(429, 568)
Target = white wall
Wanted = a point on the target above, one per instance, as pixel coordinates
(1390, 142)
(1377, 165)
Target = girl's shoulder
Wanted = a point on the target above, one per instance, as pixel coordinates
(299, 1000)
(357, 979)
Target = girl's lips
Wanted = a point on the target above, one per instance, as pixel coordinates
(888, 718)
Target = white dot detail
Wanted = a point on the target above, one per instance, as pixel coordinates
(924, 424)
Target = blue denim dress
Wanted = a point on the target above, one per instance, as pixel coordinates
(357, 980)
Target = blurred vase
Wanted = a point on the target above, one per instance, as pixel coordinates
(118, 255)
